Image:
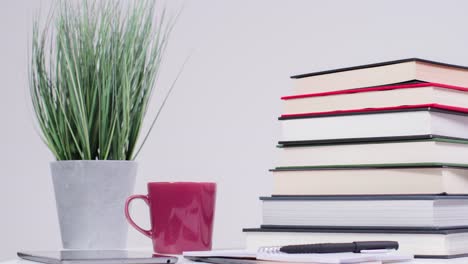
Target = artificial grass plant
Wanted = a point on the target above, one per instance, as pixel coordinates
(92, 73)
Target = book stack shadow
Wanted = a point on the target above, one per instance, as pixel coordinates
(373, 152)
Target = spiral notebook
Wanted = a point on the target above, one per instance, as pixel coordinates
(273, 254)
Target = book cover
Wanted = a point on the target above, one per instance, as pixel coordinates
(372, 140)
(373, 166)
(379, 64)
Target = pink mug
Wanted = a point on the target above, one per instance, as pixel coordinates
(181, 215)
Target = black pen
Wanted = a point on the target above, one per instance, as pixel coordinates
(355, 247)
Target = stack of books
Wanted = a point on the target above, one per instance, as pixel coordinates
(374, 152)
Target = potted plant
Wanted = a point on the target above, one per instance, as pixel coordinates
(92, 73)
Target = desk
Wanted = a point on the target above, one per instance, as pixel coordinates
(181, 260)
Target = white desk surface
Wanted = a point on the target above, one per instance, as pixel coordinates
(181, 260)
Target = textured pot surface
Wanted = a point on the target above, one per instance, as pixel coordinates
(90, 198)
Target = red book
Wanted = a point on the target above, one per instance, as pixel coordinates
(378, 98)
(381, 110)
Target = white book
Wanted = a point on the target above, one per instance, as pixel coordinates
(273, 255)
(419, 94)
(377, 74)
(376, 124)
(372, 181)
(440, 243)
(420, 212)
(415, 151)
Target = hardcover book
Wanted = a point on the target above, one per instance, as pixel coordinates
(366, 123)
(377, 97)
(366, 211)
(419, 178)
(373, 151)
(385, 73)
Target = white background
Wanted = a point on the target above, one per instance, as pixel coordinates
(220, 124)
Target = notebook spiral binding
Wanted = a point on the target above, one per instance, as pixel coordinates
(270, 250)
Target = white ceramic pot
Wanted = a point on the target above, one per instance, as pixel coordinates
(90, 197)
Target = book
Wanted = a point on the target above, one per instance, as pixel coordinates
(412, 70)
(442, 243)
(266, 254)
(373, 151)
(419, 178)
(367, 123)
(383, 211)
(383, 96)
(230, 260)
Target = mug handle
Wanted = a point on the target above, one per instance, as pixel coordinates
(147, 233)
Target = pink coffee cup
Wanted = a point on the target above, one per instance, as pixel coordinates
(181, 215)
